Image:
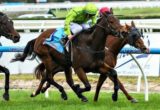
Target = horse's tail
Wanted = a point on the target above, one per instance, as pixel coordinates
(28, 51)
(40, 71)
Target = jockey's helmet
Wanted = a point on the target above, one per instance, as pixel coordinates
(91, 9)
(104, 10)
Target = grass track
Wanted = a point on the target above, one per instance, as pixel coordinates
(20, 100)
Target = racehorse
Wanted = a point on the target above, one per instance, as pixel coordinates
(7, 30)
(89, 46)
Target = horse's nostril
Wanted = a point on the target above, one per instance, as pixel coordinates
(16, 39)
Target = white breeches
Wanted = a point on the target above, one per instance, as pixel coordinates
(76, 28)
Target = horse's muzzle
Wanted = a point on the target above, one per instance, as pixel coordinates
(146, 50)
(16, 39)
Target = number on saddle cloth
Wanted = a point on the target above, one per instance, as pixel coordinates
(54, 40)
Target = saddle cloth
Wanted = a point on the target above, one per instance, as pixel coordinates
(54, 40)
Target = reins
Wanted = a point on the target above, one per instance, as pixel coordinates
(109, 27)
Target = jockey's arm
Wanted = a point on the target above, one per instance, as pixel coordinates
(94, 19)
(69, 18)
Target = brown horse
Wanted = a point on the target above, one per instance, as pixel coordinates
(7, 30)
(112, 51)
(83, 48)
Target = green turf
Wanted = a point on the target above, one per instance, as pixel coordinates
(20, 100)
(149, 12)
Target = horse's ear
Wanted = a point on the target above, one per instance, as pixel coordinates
(132, 24)
(111, 10)
(127, 26)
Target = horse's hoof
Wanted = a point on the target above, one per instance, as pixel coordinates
(77, 86)
(64, 96)
(6, 97)
(32, 95)
(78, 89)
(95, 100)
(114, 97)
(43, 90)
(134, 101)
(84, 99)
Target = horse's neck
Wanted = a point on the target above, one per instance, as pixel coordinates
(98, 39)
(115, 44)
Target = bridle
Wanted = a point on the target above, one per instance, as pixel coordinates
(109, 27)
(133, 35)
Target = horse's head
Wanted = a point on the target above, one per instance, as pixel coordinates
(134, 37)
(7, 28)
(111, 24)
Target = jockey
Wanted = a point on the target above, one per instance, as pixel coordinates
(76, 19)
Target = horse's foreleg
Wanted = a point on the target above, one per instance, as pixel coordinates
(59, 87)
(129, 97)
(39, 88)
(69, 79)
(107, 70)
(101, 80)
(113, 74)
(7, 74)
(82, 76)
(46, 87)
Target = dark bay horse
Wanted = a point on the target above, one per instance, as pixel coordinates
(89, 46)
(87, 55)
(7, 30)
(113, 49)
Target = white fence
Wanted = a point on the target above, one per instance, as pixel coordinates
(147, 25)
(39, 25)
